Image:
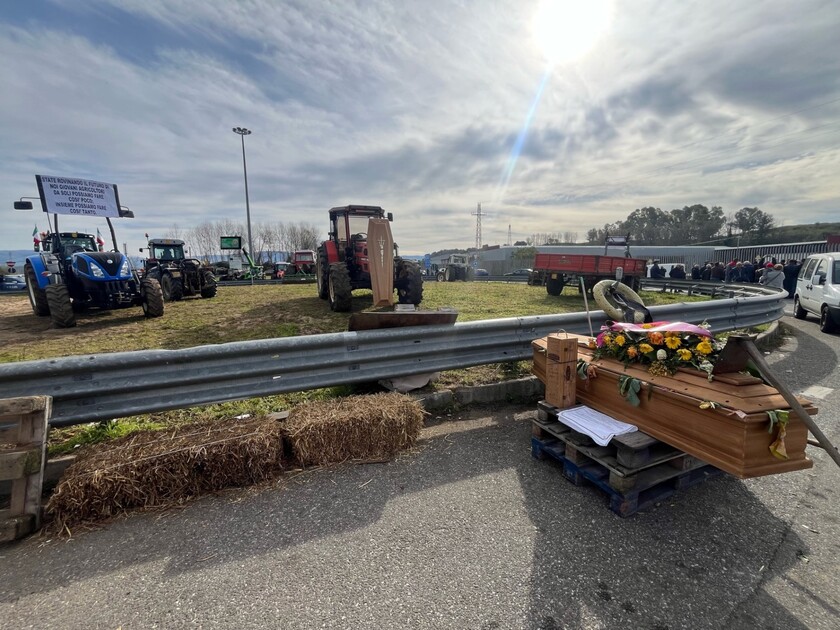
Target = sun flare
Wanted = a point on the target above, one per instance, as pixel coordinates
(566, 30)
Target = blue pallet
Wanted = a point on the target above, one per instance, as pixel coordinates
(632, 501)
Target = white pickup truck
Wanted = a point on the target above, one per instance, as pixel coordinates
(818, 290)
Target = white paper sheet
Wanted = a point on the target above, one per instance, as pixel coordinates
(599, 426)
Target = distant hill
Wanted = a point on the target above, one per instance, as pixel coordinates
(801, 233)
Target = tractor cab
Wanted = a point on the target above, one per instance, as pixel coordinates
(166, 249)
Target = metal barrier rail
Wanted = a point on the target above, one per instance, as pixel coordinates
(100, 387)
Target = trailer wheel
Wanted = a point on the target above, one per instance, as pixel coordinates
(554, 286)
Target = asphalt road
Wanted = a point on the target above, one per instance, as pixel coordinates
(466, 531)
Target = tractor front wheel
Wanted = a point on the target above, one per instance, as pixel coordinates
(209, 289)
(61, 308)
(322, 274)
(37, 297)
(340, 289)
(409, 282)
(152, 297)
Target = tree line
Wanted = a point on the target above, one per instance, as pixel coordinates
(269, 239)
(690, 225)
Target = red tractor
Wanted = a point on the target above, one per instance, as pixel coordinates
(343, 263)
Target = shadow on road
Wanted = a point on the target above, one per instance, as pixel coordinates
(471, 486)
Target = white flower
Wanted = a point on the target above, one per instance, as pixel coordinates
(661, 355)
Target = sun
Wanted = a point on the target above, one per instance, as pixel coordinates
(566, 30)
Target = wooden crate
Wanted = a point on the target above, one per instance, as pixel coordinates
(733, 436)
(23, 433)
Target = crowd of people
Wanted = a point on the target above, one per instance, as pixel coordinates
(763, 270)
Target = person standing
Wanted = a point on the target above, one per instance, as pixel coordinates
(718, 272)
(773, 276)
(748, 271)
(706, 273)
(695, 272)
(791, 272)
(677, 272)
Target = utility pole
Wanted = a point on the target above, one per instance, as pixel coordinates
(478, 214)
(510, 239)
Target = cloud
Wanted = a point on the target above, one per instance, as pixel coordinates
(417, 109)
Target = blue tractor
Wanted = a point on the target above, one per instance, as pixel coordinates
(70, 275)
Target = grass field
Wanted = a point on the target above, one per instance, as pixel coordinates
(257, 312)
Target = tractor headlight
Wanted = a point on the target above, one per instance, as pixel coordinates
(125, 269)
(96, 271)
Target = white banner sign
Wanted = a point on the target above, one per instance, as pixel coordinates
(68, 195)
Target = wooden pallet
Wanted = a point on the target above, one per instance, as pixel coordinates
(630, 494)
(624, 456)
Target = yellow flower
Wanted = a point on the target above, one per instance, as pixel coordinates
(684, 354)
(632, 352)
(704, 347)
(644, 348)
(673, 342)
(620, 340)
(592, 345)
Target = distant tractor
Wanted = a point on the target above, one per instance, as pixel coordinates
(70, 275)
(301, 269)
(346, 260)
(178, 275)
(456, 267)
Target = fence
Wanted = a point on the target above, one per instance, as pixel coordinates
(100, 387)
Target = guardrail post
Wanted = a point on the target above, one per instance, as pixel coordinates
(23, 443)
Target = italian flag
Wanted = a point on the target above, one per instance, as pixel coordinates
(35, 235)
(99, 240)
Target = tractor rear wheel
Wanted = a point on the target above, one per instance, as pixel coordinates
(441, 277)
(209, 289)
(37, 297)
(152, 296)
(409, 282)
(172, 288)
(322, 273)
(340, 289)
(61, 309)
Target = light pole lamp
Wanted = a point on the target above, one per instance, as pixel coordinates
(246, 132)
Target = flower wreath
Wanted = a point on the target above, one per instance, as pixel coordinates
(663, 346)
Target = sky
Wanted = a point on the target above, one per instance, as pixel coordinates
(424, 108)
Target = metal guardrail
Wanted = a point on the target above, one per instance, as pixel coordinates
(100, 387)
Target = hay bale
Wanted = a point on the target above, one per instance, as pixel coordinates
(356, 427)
(164, 468)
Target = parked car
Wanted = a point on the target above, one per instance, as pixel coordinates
(818, 290)
(481, 272)
(12, 283)
(519, 272)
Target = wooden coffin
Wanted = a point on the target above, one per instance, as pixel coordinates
(732, 436)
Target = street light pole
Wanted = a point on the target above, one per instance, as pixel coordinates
(242, 133)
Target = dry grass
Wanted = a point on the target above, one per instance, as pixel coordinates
(163, 469)
(368, 428)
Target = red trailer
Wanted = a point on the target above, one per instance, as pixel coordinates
(558, 270)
